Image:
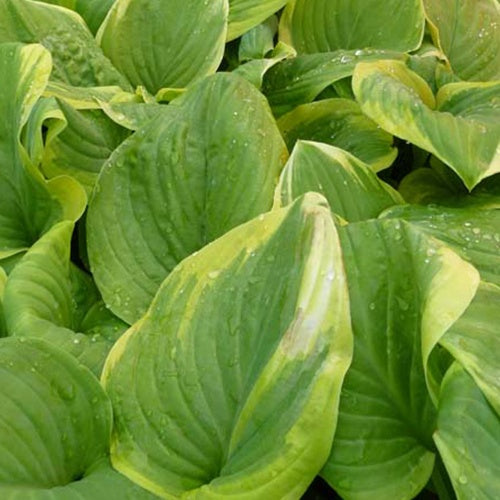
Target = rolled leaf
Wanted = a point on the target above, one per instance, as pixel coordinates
(341, 123)
(400, 284)
(267, 328)
(353, 191)
(468, 437)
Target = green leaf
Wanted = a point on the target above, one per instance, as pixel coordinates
(48, 298)
(55, 428)
(468, 32)
(82, 146)
(259, 41)
(405, 291)
(473, 233)
(76, 57)
(179, 183)
(341, 123)
(29, 205)
(353, 191)
(327, 25)
(474, 341)
(256, 322)
(3, 327)
(165, 43)
(254, 70)
(468, 437)
(134, 115)
(463, 131)
(301, 79)
(245, 14)
(93, 12)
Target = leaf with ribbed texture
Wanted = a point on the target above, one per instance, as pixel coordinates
(256, 322)
(301, 79)
(93, 12)
(29, 205)
(468, 32)
(76, 57)
(134, 115)
(165, 43)
(461, 126)
(179, 183)
(405, 290)
(425, 186)
(341, 123)
(245, 14)
(353, 191)
(468, 437)
(3, 279)
(473, 233)
(55, 428)
(326, 25)
(259, 41)
(474, 341)
(81, 148)
(48, 298)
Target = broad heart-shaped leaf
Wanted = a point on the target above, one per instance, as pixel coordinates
(473, 233)
(76, 57)
(28, 205)
(400, 284)
(326, 25)
(55, 428)
(463, 131)
(474, 341)
(229, 385)
(353, 191)
(468, 32)
(82, 146)
(341, 123)
(165, 43)
(245, 14)
(301, 79)
(468, 437)
(179, 183)
(48, 298)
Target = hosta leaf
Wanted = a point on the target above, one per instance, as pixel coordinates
(179, 183)
(400, 284)
(165, 43)
(76, 57)
(468, 437)
(301, 79)
(47, 297)
(327, 25)
(55, 427)
(245, 14)
(474, 341)
(473, 233)
(93, 12)
(254, 323)
(468, 32)
(28, 205)
(341, 123)
(81, 148)
(259, 41)
(3, 279)
(353, 191)
(254, 70)
(463, 131)
(134, 115)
